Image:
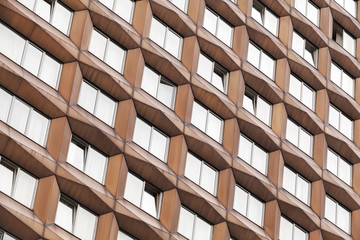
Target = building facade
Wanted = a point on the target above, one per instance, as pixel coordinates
(179, 119)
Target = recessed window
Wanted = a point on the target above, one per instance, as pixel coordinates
(107, 50)
(344, 38)
(123, 8)
(23, 118)
(249, 206)
(213, 72)
(299, 137)
(207, 121)
(182, 4)
(342, 79)
(304, 48)
(192, 226)
(297, 185)
(348, 5)
(253, 154)
(308, 9)
(265, 17)
(124, 236)
(17, 183)
(339, 166)
(29, 56)
(166, 38)
(97, 103)
(201, 173)
(291, 231)
(87, 159)
(159, 87)
(261, 60)
(142, 195)
(341, 122)
(257, 105)
(54, 12)
(337, 214)
(75, 219)
(151, 139)
(218, 27)
(302, 92)
(5, 236)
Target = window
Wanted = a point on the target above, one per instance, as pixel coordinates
(308, 9)
(299, 137)
(304, 48)
(123, 8)
(74, 218)
(53, 11)
(192, 226)
(142, 195)
(17, 183)
(257, 106)
(337, 214)
(261, 60)
(343, 38)
(339, 167)
(182, 4)
(218, 27)
(29, 56)
(341, 122)
(207, 121)
(348, 5)
(212, 72)
(201, 173)
(253, 154)
(297, 185)
(151, 139)
(87, 159)
(265, 17)
(166, 38)
(124, 236)
(249, 206)
(159, 87)
(23, 118)
(107, 50)
(342, 79)
(97, 103)
(5, 236)
(302, 92)
(291, 231)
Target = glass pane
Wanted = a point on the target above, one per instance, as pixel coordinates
(105, 109)
(165, 93)
(180, 4)
(11, 44)
(307, 97)
(205, 67)
(271, 22)
(5, 100)
(300, 5)
(310, 54)
(172, 43)
(218, 80)
(24, 190)
(257, 11)
(64, 215)
(192, 168)
(186, 223)
(97, 44)
(330, 209)
(331, 162)
(350, 6)
(157, 32)
(108, 3)
(95, 165)
(302, 190)
(255, 210)
(32, 59)
(123, 236)
(19, 115)
(334, 118)
(208, 178)
(115, 56)
(298, 43)
(198, 116)
(7, 178)
(28, 3)
(343, 219)
(149, 203)
(305, 142)
(289, 180)
(61, 18)
(8, 237)
(142, 134)
(345, 171)
(76, 155)
(292, 132)
(299, 234)
(263, 111)
(210, 21)
(240, 200)
(49, 71)
(335, 74)
(214, 127)
(348, 84)
(37, 127)
(286, 228)
(253, 56)
(224, 32)
(259, 159)
(85, 224)
(267, 65)
(150, 81)
(202, 230)
(312, 13)
(295, 87)
(349, 43)
(346, 126)
(124, 9)
(43, 9)
(248, 103)
(133, 189)
(158, 145)
(245, 148)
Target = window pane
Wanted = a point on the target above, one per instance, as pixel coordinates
(123, 236)
(124, 9)
(299, 234)
(24, 190)
(267, 65)
(205, 67)
(289, 180)
(32, 59)
(7, 178)
(114, 56)
(158, 145)
(350, 6)
(186, 223)
(214, 125)
(61, 18)
(305, 142)
(302, 190)
(28, 3)
(149, 203)
(292, 132)
(85, 224)
(298, 43)
(37, 127)
(108, 3)
(95, 165)
(240, 200)
(76, 155)
(330, 209)
(345, 171)
(331, 162)
(97, 44)
(43, 9)
(5, 100)
(172, 43)
(307, 97)
(256, 209)
(312, 13)
(150, 81)
(253, 56)
(11, 44)
(180, 4)
(142, 134)
(310, 54)
(286, 228)
(8, 237)
(334, 118)
(192, 168)
(49, 71)
(256, 12)
(224, 32)
(87, 97)
(165, 93)
(335, 74)
(347, 84)
(198, 116)
(271, 22)
(208, 178)
(133, 189)
(210, 21)
(349, 43)
(202, 230)
(259, 159)
(105, 109)
(263, 111)
(343, 219)
(245, 148)
(19, 115)
(346, 126)
(64, 215)
(157, 32)
(248, 103)
(300, 5)
(218, 80)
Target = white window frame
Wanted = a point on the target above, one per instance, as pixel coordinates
(263, 11)
(338, 159)
(307, 43)
(259, 64)
(337, 28)
(297, 176)
(185, 10)
(338, 205)
(339, 123)
(250, 93)
(304, 85)
(294, 225)
(300, 128)
(343, 72)
(118, 2)
(306, 11)
(347, 10)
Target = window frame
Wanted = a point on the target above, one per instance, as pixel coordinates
(343, 7)
(338, 128)
(337, 28)
(303, 84)
(338, 159)
(117, 2)
(307, 43)
(343, 71)
(297, 176)
(262, 52)
(305, 14)
(336, 213)
(251, 93)
(301, 128)
(294, 225)
(262, 13)
(186, 7)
